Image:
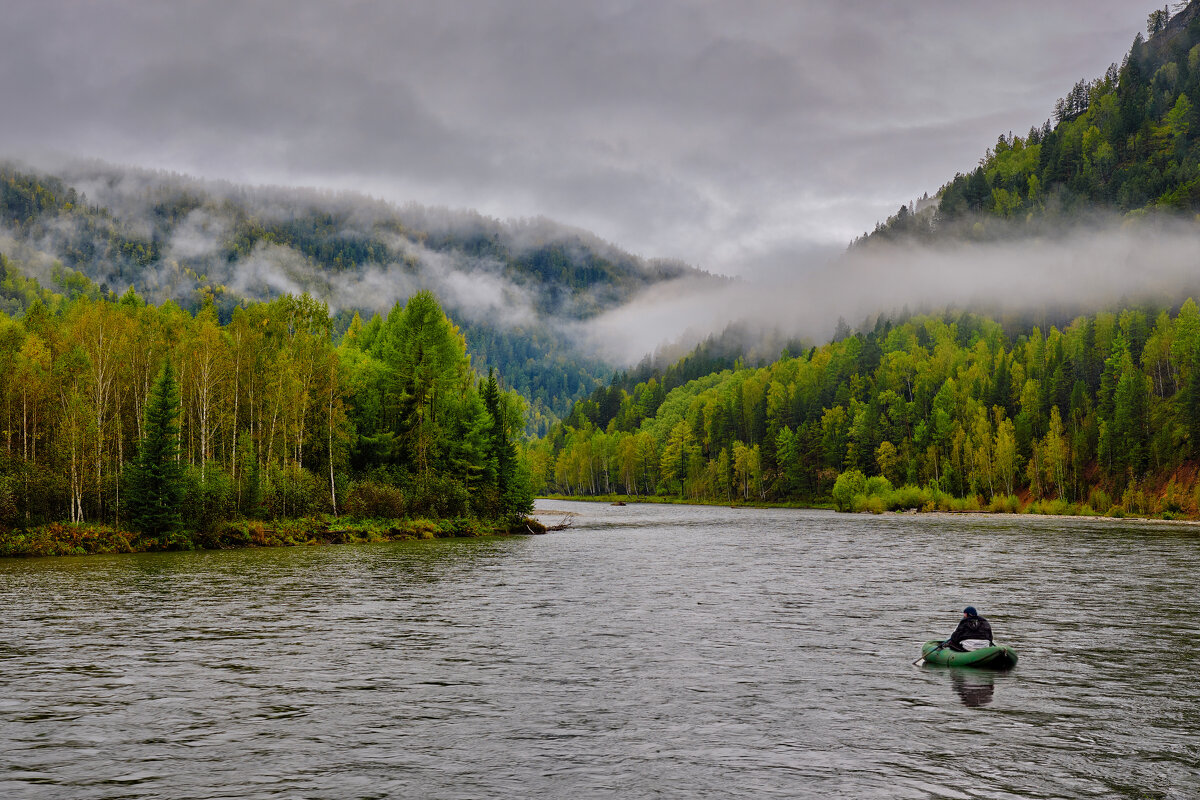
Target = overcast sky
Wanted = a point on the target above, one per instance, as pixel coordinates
(744, 137)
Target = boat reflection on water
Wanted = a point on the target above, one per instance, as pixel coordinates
(975, 687)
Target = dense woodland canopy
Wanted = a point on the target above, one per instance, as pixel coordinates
(1104, 411)
(119, 410)
(108, 407)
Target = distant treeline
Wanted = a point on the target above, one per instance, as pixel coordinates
(264, 417)
(1105, 411)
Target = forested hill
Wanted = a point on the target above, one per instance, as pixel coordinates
(660, 372)
(175, 238)
(1127, 142)
(1100, 416)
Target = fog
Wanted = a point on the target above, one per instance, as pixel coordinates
(1084, 269)
(1081, 266)
(460, 255)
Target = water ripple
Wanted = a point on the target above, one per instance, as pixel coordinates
(648, 651)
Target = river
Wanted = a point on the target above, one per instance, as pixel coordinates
(647, 651)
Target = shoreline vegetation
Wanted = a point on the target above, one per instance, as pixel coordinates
(688, 501)
(129, 427)
(78, 539)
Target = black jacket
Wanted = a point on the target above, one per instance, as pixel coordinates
(970, 628)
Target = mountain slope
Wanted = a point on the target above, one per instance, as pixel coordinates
(512, 286)
(1126, 143)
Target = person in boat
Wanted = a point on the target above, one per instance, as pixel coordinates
(973, 632)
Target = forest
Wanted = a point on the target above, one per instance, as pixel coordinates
(953, 411)
(168, 424)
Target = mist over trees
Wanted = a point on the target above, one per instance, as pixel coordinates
(1096, 413)
(286, 407)
(511, 285)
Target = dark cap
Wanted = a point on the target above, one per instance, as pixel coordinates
(970, 611)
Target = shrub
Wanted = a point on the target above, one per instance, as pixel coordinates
(937, 500)
(847, 485)
(1055, 508)
(1172, 499)
(293, 492)
(440, 496)
(968, 503)
(1005, 504)
(374, 500)
(872, 503)
(1134, 500)
(208, 496)
(878, 486)
(907, 497)
(9, 513)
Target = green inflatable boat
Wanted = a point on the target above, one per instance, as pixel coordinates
(995, 657)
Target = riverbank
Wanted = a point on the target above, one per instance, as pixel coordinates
(675, 501)
(66, 539)
(963, 507)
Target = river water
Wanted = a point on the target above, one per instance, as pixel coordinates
(647, 651)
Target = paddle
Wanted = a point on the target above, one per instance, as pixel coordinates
(931, 652)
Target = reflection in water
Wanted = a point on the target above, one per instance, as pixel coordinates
(975, 687)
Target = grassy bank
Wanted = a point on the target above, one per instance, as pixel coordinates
(64, 539)
(1176, 498)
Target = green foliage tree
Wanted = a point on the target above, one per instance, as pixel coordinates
(510, 484)
(114, 407)
(155, 479)
(848, 484)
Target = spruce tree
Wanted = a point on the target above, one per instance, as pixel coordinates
(156, 476)
(512, 488)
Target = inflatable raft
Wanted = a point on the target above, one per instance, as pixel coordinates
(995, 657)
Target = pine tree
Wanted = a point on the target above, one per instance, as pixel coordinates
(1129, 420)
(155, 478)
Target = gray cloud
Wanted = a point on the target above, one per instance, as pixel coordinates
(737, 136)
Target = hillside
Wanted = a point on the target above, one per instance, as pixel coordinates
(510, 285)
(1125, 143)
(1082, 405)
(1100, 416)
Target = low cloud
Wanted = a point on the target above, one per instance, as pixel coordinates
(1085, 269)
(199, 236)
(474, 288)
